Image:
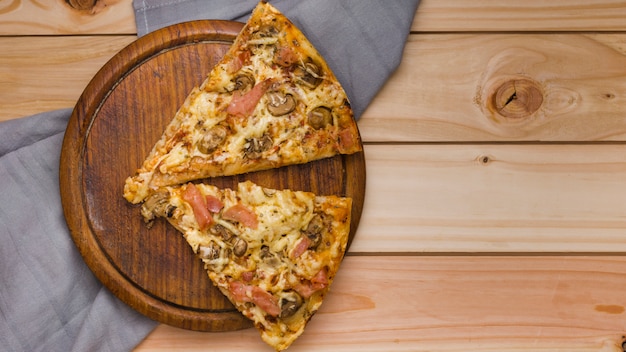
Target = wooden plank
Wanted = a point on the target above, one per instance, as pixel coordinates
(31, 17)
(451, 304)
(446, 86)
(494, 198)
(47, 73)
(117, 16)
(581, 77)
(511, 15)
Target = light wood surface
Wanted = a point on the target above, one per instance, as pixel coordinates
(492, 221)
(451, 304)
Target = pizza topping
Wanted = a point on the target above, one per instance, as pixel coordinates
(214, 204)
(222, 231)
(306, 288)
(264, 32)
(308, 74)
(314, 231)
(244, 82)
(254, 147)
(265, 253)
(198, 203)
(301, 247)
(238, 61)
(239, 290)
(240, 247)
(269, 192)
(268, 257)
(254, 294)
(320, 117)
(289, 304)
(240, 213)
(265, 301)
(247, 276)
(243, 104)
(320, 280)
(285, 56)
(280, 103)
(347, 140)
(212, 139)
(212, 251)
(265, 35)
(263, 41)
(157, 204)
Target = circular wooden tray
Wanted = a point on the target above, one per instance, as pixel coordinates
(118, 118)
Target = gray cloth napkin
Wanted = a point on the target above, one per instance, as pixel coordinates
(49, 299)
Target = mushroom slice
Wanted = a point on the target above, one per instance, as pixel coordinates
(222, 231)
(266, 30)
(240, 247)
(212, 139)
(268, 257)
(320, 117)
(243, 82)
(210, 252)
(254, 147)
(280, 103)
(309, 75)
(289, 304)
(314, 231)
(265, 35)
(157, 204)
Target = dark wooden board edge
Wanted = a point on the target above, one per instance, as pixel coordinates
(354, 165)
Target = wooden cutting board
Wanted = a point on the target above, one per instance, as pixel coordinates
(120, 115)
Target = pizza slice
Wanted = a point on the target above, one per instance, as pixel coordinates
(271, 101)
(273, 253)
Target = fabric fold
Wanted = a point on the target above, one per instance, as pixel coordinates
(49, 299)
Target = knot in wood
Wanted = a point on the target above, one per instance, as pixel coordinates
(82, 4)
(517, 98)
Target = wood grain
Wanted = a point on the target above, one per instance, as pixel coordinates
(581, 77)
(29, 17)
(445, 87)
(33, 82)
(511, 15)
(451, 304)
(466, 198)
(32, 17)
(117, 120)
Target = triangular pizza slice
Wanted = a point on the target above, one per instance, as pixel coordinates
(271, 101)
(273, 253)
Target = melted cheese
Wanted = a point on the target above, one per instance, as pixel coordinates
(287, 132)
(176, 156)
(282, 217)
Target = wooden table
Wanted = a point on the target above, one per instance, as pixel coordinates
(495, 210)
